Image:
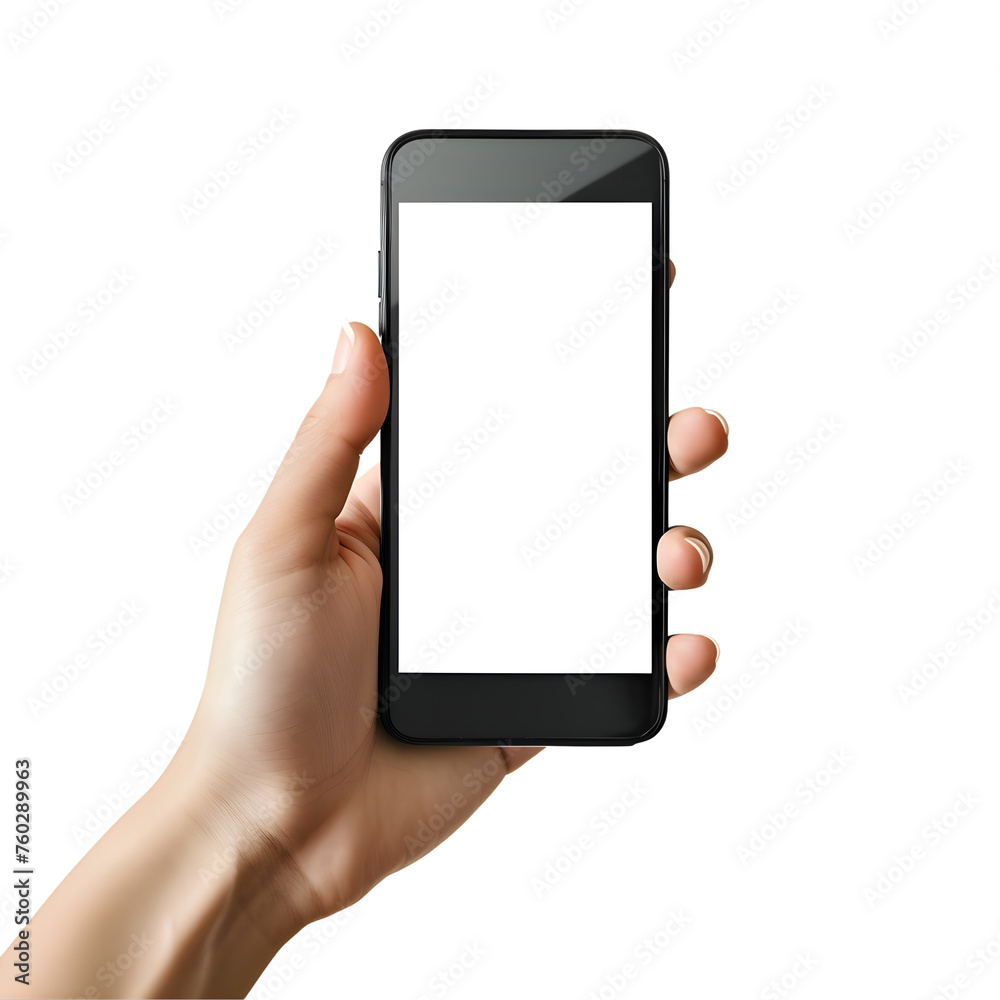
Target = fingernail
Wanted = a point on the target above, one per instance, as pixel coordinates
(345, 344)
(722, 419)
(718, 648)
(702, 549)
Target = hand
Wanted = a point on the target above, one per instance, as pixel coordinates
(286, 727)
(286, 801)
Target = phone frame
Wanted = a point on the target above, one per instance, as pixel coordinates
(519, 709)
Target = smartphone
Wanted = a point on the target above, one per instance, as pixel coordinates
(523, 313)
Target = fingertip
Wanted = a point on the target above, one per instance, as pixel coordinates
(702, 549)
(359, 361)
(691, 660)
(344, 349)
(696, 437)
(684, 558)
(718, 648)
(722, 420)
(312, 484)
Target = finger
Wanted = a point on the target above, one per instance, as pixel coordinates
(696, 437)
(312, 484)
(683, 558)
(367, 490)
(691, 661)
(671, 271)
(362, 512)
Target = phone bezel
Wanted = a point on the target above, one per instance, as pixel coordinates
(519, 709)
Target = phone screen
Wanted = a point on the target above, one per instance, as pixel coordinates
(525, 437)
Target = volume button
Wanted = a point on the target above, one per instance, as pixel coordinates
(380, 274)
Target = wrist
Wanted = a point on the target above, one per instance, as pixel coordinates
(237, 884)
(175, 900)
(281, 825)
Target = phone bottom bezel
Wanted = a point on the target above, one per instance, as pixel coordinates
(525, 709)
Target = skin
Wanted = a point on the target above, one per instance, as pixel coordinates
(287, 801)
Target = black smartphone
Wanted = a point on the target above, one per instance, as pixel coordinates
(523, 286)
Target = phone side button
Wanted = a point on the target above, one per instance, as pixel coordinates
(380, 274)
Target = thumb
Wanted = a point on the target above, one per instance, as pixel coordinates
(315, 476)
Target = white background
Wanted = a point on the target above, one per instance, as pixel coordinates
(524, 438)
(826, 359)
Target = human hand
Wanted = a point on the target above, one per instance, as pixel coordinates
(286, 800)
(286, 732)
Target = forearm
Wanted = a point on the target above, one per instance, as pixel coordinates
(175, 900)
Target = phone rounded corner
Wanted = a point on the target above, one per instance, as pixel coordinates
(654, 143)
(432, 134)
(658, 724)
(389, 725)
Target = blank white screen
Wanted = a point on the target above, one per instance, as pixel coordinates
(525, 439)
